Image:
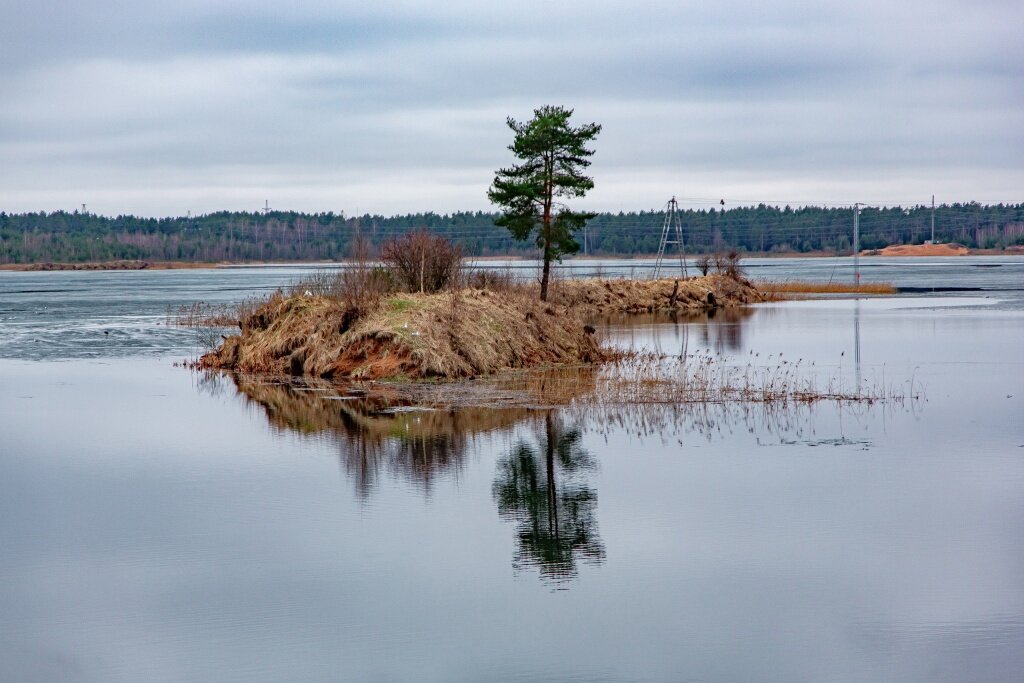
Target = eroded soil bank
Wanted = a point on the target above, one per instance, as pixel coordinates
(464, 333)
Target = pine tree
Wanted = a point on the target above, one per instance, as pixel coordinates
(553, 156)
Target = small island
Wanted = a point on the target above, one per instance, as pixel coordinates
(459, 332)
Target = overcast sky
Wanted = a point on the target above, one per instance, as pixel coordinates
(159, 108)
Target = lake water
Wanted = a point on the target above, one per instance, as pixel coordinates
(157, 524)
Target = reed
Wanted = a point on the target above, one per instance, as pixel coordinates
(203, 314)
(805, 287)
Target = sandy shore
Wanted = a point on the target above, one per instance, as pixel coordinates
(919, 250)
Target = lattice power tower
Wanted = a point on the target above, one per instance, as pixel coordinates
(671, 233)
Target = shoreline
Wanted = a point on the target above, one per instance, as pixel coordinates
(893, 251)
(461, 333)
(106, 266)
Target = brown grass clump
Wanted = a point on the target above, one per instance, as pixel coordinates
(801, 287)
(462, 333)
(602, 297)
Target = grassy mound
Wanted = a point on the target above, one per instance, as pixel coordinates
(458, 333)
(602, 297)
(455, 334)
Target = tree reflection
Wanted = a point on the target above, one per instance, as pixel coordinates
(544, 492)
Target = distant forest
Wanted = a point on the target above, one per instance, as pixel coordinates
(290, 236)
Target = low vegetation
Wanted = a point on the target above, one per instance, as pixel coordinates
(422, 316)
(798, 287)
(594, 297)
(372, 322)
(460, 333)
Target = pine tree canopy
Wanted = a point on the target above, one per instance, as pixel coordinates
(531, 194)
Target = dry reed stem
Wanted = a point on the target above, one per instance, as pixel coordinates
(203, 314)
(803, 287)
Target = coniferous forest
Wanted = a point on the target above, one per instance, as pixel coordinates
(289, 236)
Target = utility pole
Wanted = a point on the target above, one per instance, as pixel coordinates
(933, 219)
(856, 244)
(673, 223)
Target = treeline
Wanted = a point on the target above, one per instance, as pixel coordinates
(288, 236)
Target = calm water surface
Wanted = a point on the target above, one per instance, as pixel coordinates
(156, 524)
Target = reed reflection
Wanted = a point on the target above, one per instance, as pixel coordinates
(543, 490)
(719, 329)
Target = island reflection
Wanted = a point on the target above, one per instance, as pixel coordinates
(542, 481)
(378, 433)
(540, 487)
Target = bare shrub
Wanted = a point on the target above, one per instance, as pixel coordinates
(726, 263)
(492, 279)
(358, 287)
(718, 261)
(318, 283)
(361, 285)
(732, 265)
(704, 263)
(422, 262)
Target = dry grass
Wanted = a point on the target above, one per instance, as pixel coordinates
(702, 378)
(322, 330)
(657, 379)
(803, 287)
(344, 326)
(202, 314)
(459, 333)
(630, 379)
(594, 297)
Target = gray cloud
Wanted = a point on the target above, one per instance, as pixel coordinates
(395, 107)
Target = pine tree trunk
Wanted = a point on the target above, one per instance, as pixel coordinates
(546, 226)
(547, 272)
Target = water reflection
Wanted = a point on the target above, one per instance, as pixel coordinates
(540, 486)
(378, 433)
(543, 491)
(542, 483)
(720, 330)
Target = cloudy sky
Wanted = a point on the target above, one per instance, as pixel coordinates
(158, 108)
